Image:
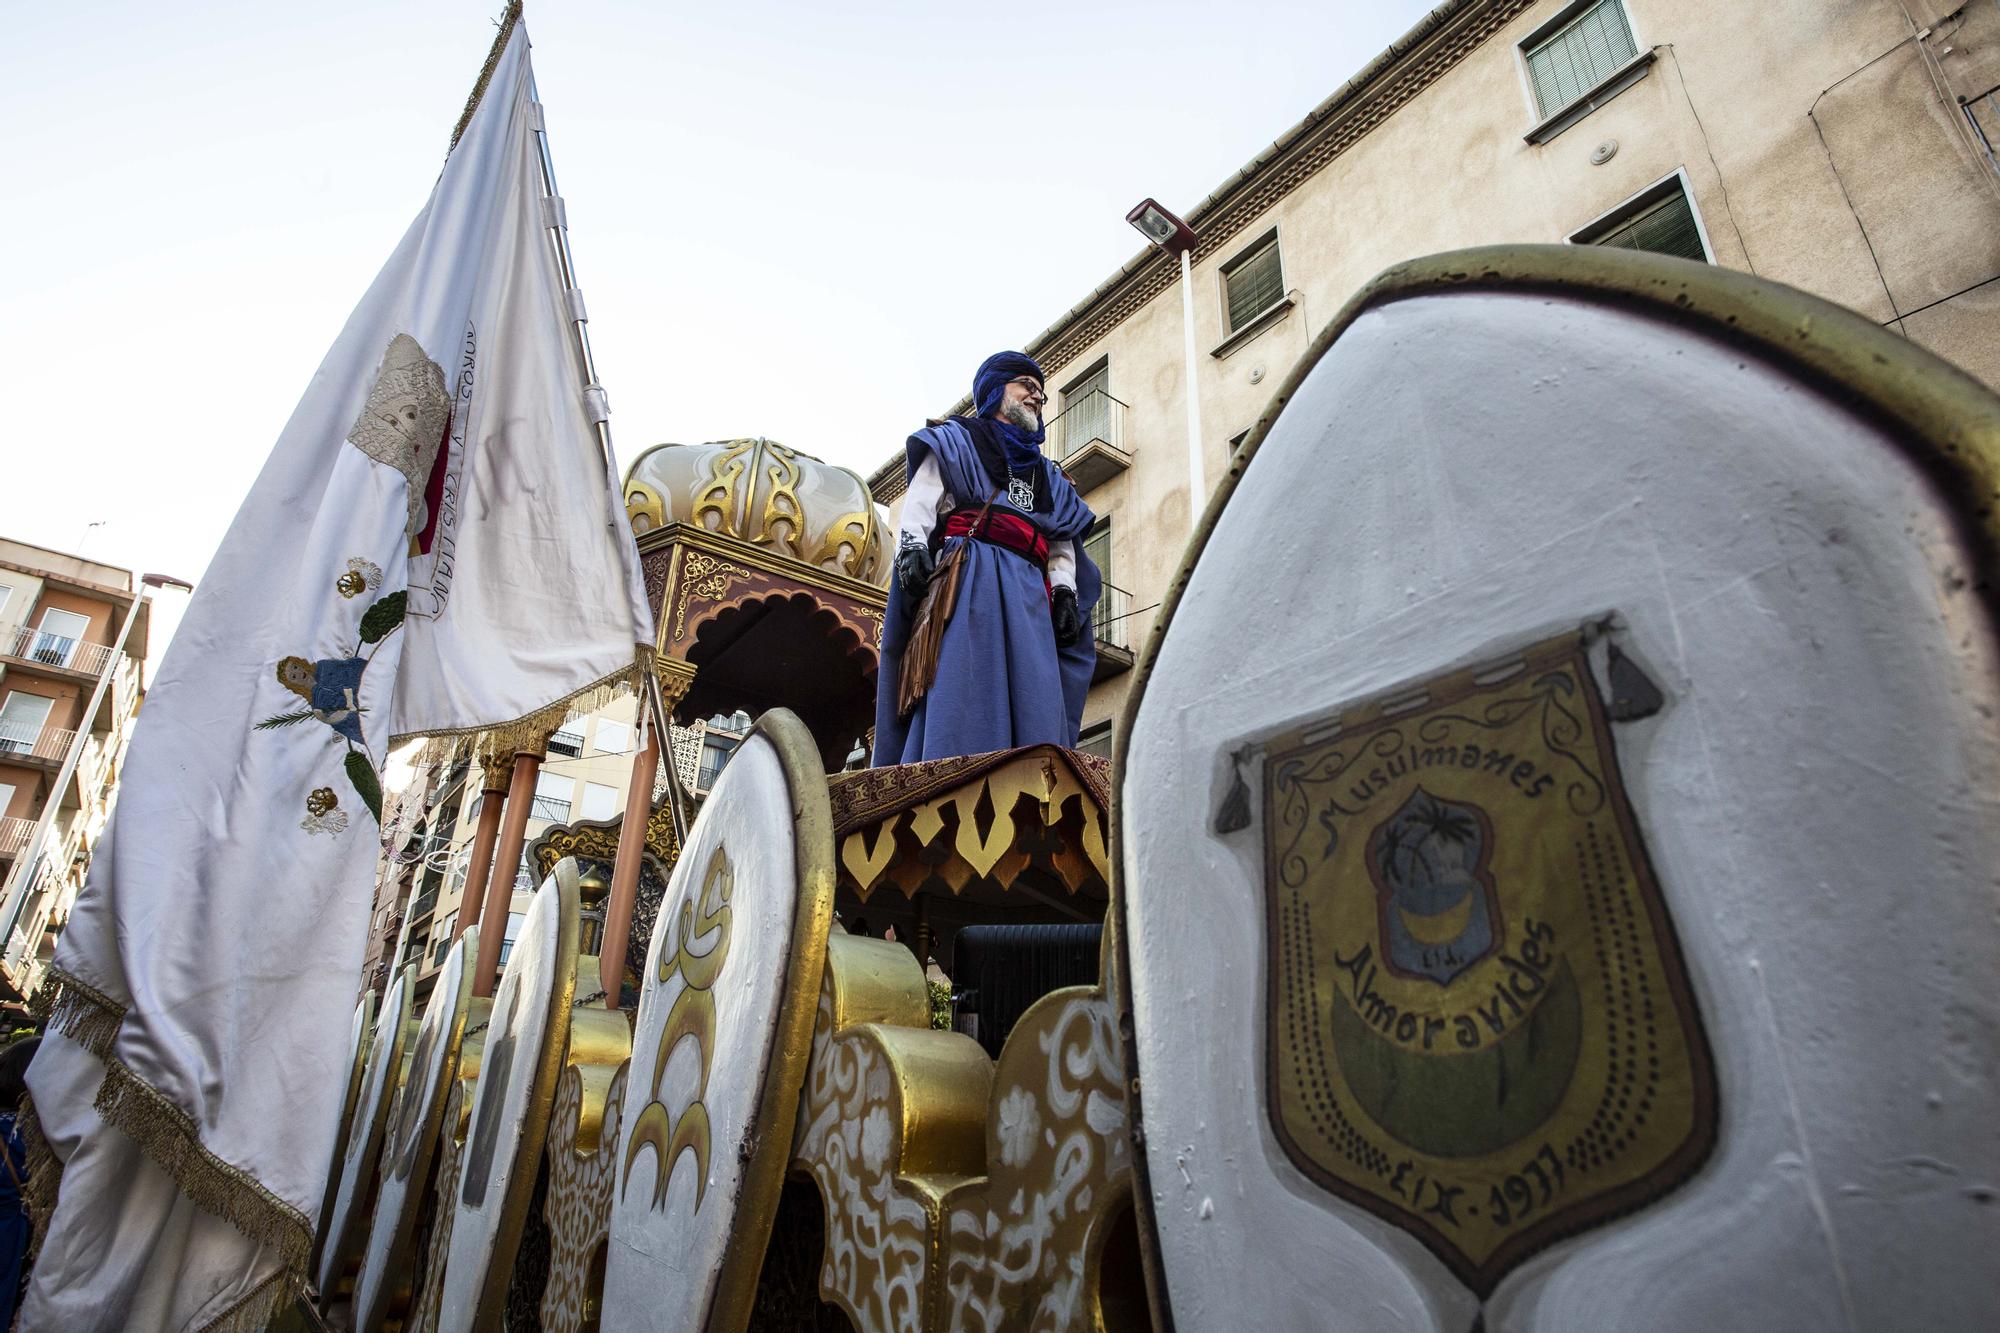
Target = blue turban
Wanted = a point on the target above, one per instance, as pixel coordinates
(989, 383)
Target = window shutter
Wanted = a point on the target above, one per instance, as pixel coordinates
(1581, 56)
(1254, 285)
(1666, 228)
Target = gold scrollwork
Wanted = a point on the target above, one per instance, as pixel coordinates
(706, 577)
(780, 467)
(853, 540)
(692, 1015)
(644, 507)
(718, 495)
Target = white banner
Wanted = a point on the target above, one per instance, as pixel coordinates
(436, 544)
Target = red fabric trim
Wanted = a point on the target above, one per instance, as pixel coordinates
(1008, 530)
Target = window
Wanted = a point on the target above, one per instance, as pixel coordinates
(1253, 282)
(56, 641)
(514, 920)
(1097, 545)
(22, 718)
(599, 801)
(715, 752)
(1086, 409)
(6, 595)
(1660, 218)
(568, 741)
(552, 793)
(1096, 740)
(613, 737)
(1582, 52)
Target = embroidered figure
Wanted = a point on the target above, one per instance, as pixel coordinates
(361, 576)
(331, 689)
(404, 421)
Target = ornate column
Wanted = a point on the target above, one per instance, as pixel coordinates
(507, 861)
(674, 677)
(494, 773)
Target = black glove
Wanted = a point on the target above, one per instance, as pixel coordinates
(914, 567)
(1068, 620)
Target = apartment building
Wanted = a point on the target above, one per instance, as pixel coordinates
(1846, 147)
(73, 639)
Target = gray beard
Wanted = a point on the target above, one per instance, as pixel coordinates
(1020, 414)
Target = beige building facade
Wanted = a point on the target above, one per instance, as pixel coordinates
(73, 638)
(1841, 146)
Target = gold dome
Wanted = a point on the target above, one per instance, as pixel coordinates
(759, 491)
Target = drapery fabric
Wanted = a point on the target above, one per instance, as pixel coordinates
(1001, 680)
(436, 545)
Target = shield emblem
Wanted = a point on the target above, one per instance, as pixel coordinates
(525, 1036)
(720, 1047)
(388, 1054)
(411, 1136)
(1479, 1023)
(1570, 744)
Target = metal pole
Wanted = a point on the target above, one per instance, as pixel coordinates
(566, 267)
(506, 865)
(1197, 488)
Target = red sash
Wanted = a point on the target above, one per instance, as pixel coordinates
(1011, 531)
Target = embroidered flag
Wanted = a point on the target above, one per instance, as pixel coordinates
(436, 545)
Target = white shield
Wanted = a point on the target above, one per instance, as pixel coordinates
(724, 1031)
(1779, 515)
(410, 1136)
(526, 1030)
(386, 1054)
(359, 1039)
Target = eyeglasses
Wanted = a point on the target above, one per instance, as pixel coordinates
(1031, 384)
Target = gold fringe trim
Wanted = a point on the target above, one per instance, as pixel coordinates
(530, 734)
(254, 1311)
(44, 1168)
(508, 18)
(81, 1012)
(168, 1136)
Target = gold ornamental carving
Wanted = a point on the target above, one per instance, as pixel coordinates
(893, 1117)
(782, 521)
(1023, 1249)
(582, 1163)
(706, 577)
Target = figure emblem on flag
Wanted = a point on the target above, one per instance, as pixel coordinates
(1479, 1025)
(331, 689)
(404, 423)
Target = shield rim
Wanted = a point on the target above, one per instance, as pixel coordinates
(1943, 421)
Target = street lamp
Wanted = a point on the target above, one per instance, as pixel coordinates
(1174, 236)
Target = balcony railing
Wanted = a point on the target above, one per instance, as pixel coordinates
(551, 808)
(39, 645)
(1094, 416)
(14, 835)
(1111, 620)
(423, 905)
(43, 742)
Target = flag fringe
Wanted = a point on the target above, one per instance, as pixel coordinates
(44, 1170)
(508, 18)
(531, 733)
(81, 1012)
(167, 1134)
(253, 1312)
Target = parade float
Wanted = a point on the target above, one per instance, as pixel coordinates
(1576, 913)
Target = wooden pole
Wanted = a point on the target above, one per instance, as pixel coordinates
(625, 870)
(506, 863)
(495, 771)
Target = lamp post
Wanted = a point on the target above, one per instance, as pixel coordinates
(1175, 237)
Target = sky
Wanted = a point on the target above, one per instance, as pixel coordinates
(795, 220)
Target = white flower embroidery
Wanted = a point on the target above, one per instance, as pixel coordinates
(875, 1138)
(1020, 1118)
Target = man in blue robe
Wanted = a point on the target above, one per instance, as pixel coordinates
(1017, 654)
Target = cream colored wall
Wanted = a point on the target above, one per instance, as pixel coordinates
(1725, 102)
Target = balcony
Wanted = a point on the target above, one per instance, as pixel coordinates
(423, 905)
(552, 808)
(46, 743)
(46, 649)
(567, 742)
(14, 835)
(1111, 625)
(1088, 439)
